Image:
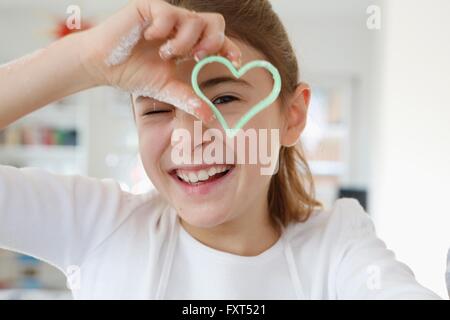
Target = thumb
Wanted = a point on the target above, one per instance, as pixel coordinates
(182, 96)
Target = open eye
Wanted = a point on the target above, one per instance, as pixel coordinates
(224, 99)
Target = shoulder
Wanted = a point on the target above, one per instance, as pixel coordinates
(148, 211)
(89, 190)
(105, 200)
(345, 218)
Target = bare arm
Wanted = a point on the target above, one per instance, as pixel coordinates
(46, 75)
(134, 50)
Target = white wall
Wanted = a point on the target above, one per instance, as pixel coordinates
(330, 37)
(410, 150)
(411, 168)
(331, 40)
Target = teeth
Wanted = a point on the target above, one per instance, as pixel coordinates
(221, 169)
(193, 177)
(212, 171)
(202, 175)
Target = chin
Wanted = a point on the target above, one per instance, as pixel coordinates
(204, 215)
(204, 195)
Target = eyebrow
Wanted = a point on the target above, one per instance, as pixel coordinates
(219, 80)
(211, 83)
(140, 98)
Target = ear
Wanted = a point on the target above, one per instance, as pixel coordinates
(132, 107)
(296, 114)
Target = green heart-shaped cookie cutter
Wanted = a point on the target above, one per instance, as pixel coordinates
(273, 96)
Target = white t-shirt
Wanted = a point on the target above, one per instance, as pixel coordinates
(116, 245)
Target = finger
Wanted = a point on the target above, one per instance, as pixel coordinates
(144, 10)
(188, 34)
(231, 51)
(162, 26)
(213, 36)
(214, 40)
(180, 95)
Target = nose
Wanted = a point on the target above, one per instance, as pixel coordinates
(192, 126)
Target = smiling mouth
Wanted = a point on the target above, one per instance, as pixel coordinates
(196, 177)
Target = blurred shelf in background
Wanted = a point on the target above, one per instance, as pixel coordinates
(328, 137)
(90, 133)
(34, 294)
(54, 139)
(327, 168)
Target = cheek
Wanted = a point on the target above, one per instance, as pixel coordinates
(154, 140)
(269, 118)
(268, 130)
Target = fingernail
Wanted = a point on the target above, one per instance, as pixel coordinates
(207, 119)
(200, 110)
(166, 51)
(236, 59)
(200, 55)
(211, 118)
(221, 37)
(236, 64)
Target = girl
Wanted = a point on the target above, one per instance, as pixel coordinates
(221, 231)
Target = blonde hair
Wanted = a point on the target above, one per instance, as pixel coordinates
(291, 195)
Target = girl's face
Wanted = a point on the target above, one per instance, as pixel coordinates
(229, 191)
